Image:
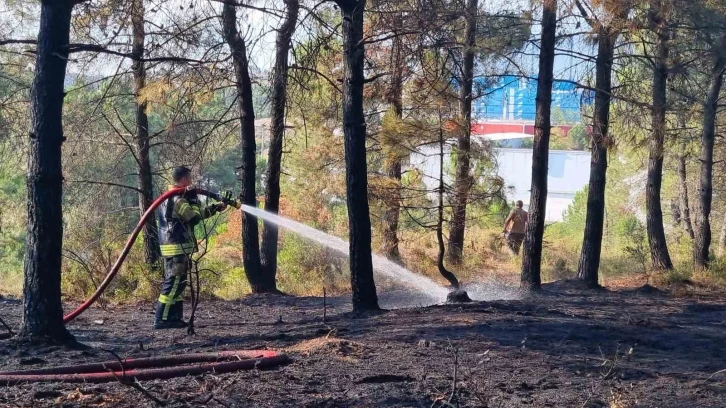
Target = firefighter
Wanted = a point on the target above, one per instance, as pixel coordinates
(179, 215)
(515, 232)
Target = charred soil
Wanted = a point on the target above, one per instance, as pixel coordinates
(562, 348)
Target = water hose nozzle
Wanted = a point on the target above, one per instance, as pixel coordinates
(236, 203)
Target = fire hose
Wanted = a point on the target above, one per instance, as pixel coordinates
(152, 367)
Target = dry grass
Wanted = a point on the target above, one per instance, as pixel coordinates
(339, 349)
(11, 284)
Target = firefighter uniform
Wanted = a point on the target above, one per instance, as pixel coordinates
(179, 215)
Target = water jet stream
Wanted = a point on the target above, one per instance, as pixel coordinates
(380, 264)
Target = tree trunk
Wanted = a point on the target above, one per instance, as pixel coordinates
(685, 210)
(393, 159)
(440, 222)
(42, 308)
(246, 170)
(268, 250)
(532, 253)
(592, 241)
(705, 193)
(152, 253)
(356, 177)
(654, 213)
(463, 181)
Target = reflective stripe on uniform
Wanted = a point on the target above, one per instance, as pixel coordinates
(171, 299)
(183, 207)
(169, 250)
(167, 309)
(185, 211)
(166, 299)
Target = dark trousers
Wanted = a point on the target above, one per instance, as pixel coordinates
(514, 241)
(171, 300)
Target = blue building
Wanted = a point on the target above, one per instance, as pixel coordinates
(512, 98)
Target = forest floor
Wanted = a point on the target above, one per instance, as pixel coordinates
(564, 348)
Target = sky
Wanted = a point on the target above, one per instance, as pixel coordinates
(20, 20)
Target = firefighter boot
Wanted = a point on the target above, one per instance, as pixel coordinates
(177, 314)
(169, 322)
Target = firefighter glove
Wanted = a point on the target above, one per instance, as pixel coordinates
(226, 196)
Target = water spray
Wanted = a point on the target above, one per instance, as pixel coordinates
(381, 264)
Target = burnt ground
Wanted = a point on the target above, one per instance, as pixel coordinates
(566, 348)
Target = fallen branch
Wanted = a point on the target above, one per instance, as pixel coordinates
(135, 384)
(716, 373)
(384, 378)
(7, 327)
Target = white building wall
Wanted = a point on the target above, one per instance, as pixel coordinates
(569, 172)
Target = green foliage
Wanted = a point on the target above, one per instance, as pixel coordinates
(12, 228)
(678, 275)
(304, 267)
(717, 271)
(576, 139)
(222, 169)
(232, 284)
(631, 235)
(579, 138)
(559, 116)
(629, 230)
(497, 36)
(573, 222)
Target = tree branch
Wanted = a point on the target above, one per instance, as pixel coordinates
(388, 37)
(374, 77)
(249, 6)
(330, 81)
(106, 183)
(10, 41)
(76, 47)
(103, 50)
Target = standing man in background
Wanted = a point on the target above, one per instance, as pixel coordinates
(514, 227)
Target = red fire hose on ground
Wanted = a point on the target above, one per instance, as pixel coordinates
(142, 368)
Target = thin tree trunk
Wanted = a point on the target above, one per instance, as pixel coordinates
(705, 193)
(532, 254)
(440, 222)
(592, 241)
(463, 181)
(393, 170)
(246, 171)
(42, 308)
(393, 159)
(356, 177)
(152, 253)
(685, 216)
(654, 213)
(268, 249)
